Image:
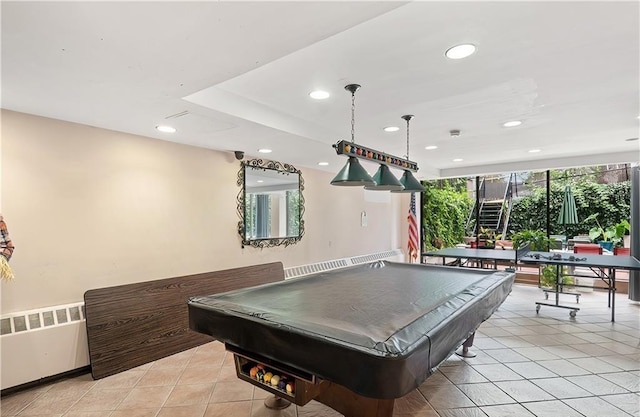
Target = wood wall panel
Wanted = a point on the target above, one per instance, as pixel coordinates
(130, 325)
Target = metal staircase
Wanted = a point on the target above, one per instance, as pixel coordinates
(493, 214)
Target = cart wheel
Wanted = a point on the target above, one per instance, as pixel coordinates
(572, 313)
(546, 295)
(537, 308)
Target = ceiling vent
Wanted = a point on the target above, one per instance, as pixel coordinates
(175, 116)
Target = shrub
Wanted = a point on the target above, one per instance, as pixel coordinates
(610, 200)
(445, 212)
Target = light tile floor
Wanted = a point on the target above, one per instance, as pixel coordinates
(527, 364)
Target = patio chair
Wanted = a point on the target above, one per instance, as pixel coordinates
(591, 248)
(622, 251)
(556, 244)
(582, 239)
(558, 241)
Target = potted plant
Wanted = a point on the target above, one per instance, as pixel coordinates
(622, 229)
(548, 276)
(609, 236)
(487, 238)
(537, 240)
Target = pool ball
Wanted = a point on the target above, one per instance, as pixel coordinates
(282, 383)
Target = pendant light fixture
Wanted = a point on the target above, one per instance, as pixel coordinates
(353, 174)
(384, 181)
(408, 181)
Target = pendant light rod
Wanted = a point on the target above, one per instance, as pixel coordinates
(408, 118)
(409, 183)
(353, 88)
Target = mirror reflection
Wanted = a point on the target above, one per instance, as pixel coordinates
(270, 203)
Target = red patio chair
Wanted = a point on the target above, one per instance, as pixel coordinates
(622, 251)
(587, 248)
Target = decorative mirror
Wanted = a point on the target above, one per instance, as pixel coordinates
(270, 204)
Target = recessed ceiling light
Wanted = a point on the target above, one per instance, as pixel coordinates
(534, 150)
(391, 129)
(323, 164)
(264, 150)
(460, 51)
(512, 123)
(431, 147)
(631, 139)
(260, 181)
(166, 129)
(458, 160)
(319, 95)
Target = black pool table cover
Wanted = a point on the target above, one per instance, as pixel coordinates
(378, 329)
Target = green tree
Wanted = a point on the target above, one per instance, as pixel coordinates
(446, 205)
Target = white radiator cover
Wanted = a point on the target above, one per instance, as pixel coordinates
(41, 343)
(299, 271)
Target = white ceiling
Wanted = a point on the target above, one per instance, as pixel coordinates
(236, 76)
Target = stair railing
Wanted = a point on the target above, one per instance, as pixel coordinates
(471, 219)
(503, 217)
(505, 225)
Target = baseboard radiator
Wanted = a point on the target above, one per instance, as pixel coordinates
(38, 344)
(299, 271)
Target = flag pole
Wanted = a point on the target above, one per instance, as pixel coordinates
(413, 241)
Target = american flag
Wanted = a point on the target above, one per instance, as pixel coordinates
(412, 246)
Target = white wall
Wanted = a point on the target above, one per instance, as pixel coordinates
(89, 208)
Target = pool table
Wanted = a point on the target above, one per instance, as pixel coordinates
(354, 338)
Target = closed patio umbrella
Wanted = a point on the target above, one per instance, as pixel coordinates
(568, 211)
